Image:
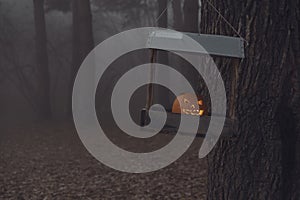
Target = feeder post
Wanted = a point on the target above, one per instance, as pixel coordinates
(150, 91)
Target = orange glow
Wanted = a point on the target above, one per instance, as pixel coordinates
(190, 106)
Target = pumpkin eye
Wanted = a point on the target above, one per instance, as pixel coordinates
(200, 102)
(186, 101)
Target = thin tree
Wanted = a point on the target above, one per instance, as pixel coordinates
(161, 56)
(190, 22)
(43, 93)
(83, 41)
(191, 16)
(162, 13)
(177, 15)
(263, 160)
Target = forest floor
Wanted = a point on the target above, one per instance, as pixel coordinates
(48, 161)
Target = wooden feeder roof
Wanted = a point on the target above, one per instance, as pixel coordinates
(218, 45)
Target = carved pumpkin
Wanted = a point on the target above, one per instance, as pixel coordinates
(189, 105)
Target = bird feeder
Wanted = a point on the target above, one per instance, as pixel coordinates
(217, 45)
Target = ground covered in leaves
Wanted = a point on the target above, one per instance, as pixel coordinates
(48, 161)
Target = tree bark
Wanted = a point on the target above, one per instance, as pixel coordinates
(262, 162)
(43, 92)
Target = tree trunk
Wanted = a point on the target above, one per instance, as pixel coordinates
(191, 24)
(177, 15)
(191, 16)
(163, 58)
(43, 96)
(163, 20)
(83, 41)
(262, 162)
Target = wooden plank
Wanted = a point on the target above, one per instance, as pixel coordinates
(173, 122)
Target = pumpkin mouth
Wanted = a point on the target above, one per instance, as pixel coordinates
(189, 105)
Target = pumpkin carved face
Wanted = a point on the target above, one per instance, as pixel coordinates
(189, 105)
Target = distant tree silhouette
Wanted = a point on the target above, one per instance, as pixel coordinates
(43, 92)
(83, 41)
(177, 15)
(61, 5)
(191, 16)
(163, 20)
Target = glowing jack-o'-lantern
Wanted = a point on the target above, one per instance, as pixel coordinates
(189, 105)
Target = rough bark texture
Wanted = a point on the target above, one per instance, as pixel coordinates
(262, 162)
(43, 97)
